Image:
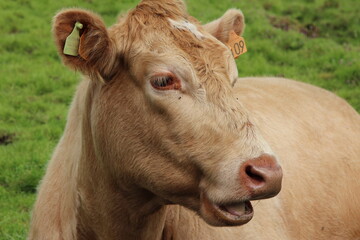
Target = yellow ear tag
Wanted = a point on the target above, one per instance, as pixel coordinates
(72, 41)
(236, 44)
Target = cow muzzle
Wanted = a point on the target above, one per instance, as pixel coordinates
(260, 178)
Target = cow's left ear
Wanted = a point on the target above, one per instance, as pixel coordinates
(220, 28)
(92, 51)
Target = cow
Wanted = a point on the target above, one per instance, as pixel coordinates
(164, 141)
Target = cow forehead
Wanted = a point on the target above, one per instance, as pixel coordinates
(177, 36)
(155, 35)
(186, 26)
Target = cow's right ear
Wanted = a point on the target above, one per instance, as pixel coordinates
(96, 52)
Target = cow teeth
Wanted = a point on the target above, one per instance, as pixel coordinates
(237, 209)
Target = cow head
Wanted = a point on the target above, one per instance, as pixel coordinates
(162, 113)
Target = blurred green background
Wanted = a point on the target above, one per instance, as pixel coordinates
(315, 41)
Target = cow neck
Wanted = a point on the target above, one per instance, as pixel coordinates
(107, 209)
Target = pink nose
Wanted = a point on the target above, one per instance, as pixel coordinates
(261, 177)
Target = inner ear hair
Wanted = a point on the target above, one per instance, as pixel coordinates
(233, 19)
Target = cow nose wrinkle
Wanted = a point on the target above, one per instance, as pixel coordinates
(261, 176)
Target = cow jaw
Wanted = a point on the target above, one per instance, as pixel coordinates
(233, 214)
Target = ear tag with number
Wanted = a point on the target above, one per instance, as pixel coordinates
(72, 41)
(236, 44)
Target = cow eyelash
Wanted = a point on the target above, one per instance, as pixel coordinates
(162, 81)
(166, 81)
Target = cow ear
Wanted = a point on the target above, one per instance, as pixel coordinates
(220, 28)
(91, 50)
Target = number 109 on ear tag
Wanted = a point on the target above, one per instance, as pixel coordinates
(236, 44)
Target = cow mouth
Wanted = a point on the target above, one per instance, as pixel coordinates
(232, 214)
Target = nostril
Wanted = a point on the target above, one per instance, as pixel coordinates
(261, 177)
(254, 175)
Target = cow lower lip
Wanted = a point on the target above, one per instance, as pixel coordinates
(233, 214)
(236, 210)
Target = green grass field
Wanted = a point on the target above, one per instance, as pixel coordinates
(315, 41)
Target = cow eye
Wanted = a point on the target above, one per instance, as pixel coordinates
(167, 81)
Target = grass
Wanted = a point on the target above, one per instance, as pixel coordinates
(314, 41)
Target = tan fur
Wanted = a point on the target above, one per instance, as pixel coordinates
(133, 161)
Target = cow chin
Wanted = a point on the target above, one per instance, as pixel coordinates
(230, 214)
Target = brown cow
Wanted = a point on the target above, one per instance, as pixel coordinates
(161, 143)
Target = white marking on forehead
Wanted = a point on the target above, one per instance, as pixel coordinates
(186, 25)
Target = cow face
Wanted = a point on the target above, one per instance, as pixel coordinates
(162, 112)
